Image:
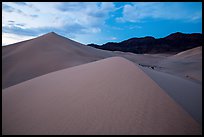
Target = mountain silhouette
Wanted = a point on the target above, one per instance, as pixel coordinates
(174, 43)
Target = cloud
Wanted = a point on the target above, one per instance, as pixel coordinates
(11, 21)
(137, 12)
(90, 14)
(68, 30)
(113, 38)
(8, 38)
(7, 8)
(28, 4)
(69, 19)
(10, 9)
(34, 16)
(21, 3)
(72, 6)
(13, 29)
(20, 24)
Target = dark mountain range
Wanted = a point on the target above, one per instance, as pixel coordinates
(172, 43)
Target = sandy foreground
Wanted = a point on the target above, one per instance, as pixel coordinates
(109, 96)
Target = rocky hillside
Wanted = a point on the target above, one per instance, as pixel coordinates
(174, 43)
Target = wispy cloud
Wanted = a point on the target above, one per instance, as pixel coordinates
(34, 15)
(12, 23)
(9, 38)
(90, 14)
(137, 12)
(113, 38)
(66, 18)
(20, 24)
(10, 9)
(28, 4)
(7, 8)
(69, 30)
(97, 21)
(18, 30)
(21, 3)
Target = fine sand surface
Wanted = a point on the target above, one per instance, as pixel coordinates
(186, 64)
(191, 53)
(187, 93)
(51, 52)
(110, 96)
(48, 53)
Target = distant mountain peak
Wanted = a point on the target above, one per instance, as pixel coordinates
(175, 42)
(179, 35)
(148, 37)
(175, 34)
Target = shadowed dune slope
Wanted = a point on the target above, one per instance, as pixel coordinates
(48, 53)
(110, 96)
(186, 93)
(194, 53)
(186, 64)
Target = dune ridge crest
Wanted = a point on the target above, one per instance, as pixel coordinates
(109, 96)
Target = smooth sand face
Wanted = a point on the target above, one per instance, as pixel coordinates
(110, 96)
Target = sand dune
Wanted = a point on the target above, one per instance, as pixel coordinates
(187, 64)
(186, 93)
(110, 96)
(195, 53)
(48, 53)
